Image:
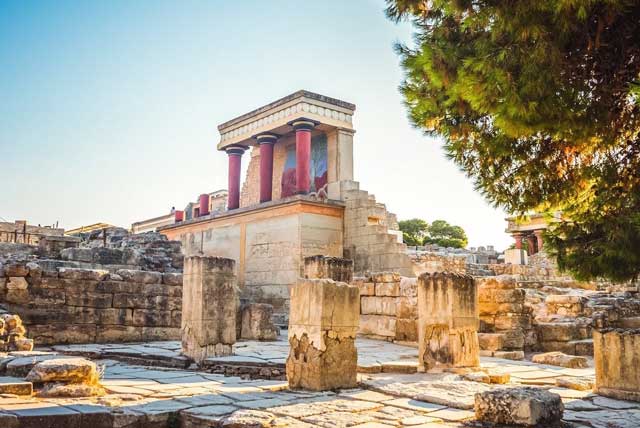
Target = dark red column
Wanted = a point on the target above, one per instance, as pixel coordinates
(266, 142)
(532, 244)
(204, 204)
(179, 216)
(518, 239)
(303, 129)
(235, 159)
(538, 234)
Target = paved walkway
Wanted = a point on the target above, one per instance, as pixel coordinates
(142, 396)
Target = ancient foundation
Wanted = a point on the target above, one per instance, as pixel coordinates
(617, 363)
(447, 321)
(338, 269)
(322, 329)
(209, 307)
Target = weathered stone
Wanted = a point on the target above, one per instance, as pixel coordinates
(209, 307)
(12, 385)
(374, 305)
(509, 355)
(172, 278)
(366, 288)
(407, 307)
(406, 330)
(82, 274)
(257, 322)
(560, 359)
(23, 344)
(59, 390)
(617, 363)
(577, 383)
(71, 370)
(335, 268)
(384, 277)
(408, 287)
(248, 419)
(377, 325)
(519, 406)
(16, 269)
(322, 330)
(448, 321)
(140, 276)
(490, 341)
(390, 289)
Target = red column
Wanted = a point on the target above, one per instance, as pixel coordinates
(518, 239)
(235, 159)
(204, 204)
(532, 244)
(266, 142)
(538, 234)
(303, 129)
(179, 216)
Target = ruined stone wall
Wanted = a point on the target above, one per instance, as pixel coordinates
(433, 262)
(69, 305)
(388, 307)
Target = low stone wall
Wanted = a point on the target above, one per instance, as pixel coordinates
(388, 307)
(68, 305)
(617, 363)
(434, 262)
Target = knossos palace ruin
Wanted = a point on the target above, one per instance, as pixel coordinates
(289, 300)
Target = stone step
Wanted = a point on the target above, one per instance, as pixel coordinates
(15, 385)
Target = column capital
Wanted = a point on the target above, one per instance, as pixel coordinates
(266, 138)
(303, 124)
(235, 150)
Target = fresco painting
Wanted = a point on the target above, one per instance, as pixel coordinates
(318, 170)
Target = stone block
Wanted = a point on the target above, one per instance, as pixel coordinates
(209, 307)
(407, 307)
(384, 277)
(448, 321)
(172, 278)
(151, 317)
(160, 333)
(406, 330)
(389, 289)
(82, 274)
(374, 305)
(257, 323)
(408, 287)
(117, 333)
(323, 323)
(91, 300)
(512, 322)
(14, 385)
(504, 282)
(377, 325)
(523, 406)
(560, 359)
(69, 370)
(490, 341)
(509, 355)
(366, 288)
(16, 269)
(140, 276)
(335, 268)
(617, 363)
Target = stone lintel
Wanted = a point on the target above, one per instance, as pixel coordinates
(275, 117)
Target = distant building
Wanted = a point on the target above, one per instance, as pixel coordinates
(527, 231)
(88, 228)
(207, 203)
(22, 233)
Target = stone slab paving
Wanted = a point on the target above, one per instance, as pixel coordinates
(141, 396)
(374, 356)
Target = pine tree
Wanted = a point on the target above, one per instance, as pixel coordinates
(539, 103)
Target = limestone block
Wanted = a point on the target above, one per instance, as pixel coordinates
(505, 282)
(448, 321)
(390, 289)
(560, 359)
(512, 322)
(140, 276)
(407, 307)
(385, 277)
(73, 390)
(70, 370)
(172, 278)
(374, 305)
(16, 269)
(406, 330)
(523, 406)
(257, 323)
(574, 382)
(338, 269)
(82, 274)
(490, 341)
(366, 288)
(509, 355)
(209, 307)
(617, 363)
(378, 325)
(408, 287)
(323, 323)
(17, 283)
(151, 317)
(17, 290)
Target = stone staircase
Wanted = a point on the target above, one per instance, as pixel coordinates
(368, 239)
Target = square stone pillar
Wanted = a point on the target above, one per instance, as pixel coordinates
(338, 269)
(209, 307)
(616, 354)
(447, 321)
(322, 330)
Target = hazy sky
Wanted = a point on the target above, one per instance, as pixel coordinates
(108, 110)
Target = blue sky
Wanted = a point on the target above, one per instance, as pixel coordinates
(109, 110)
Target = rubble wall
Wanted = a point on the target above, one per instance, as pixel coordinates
(69, 305)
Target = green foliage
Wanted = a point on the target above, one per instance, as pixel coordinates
(445, 235)
(413, 231)
(539, 103)
(419, 232)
